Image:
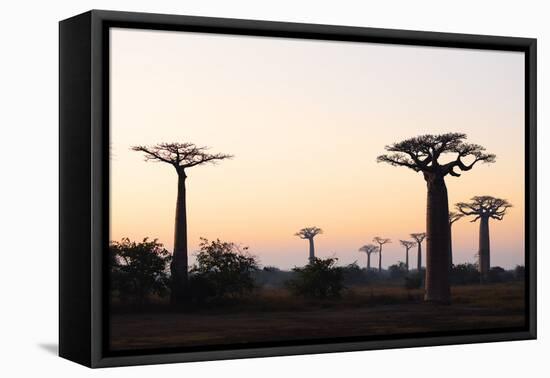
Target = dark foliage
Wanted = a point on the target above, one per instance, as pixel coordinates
(498, 274)
(222, 270)
(321, 278)
(414, 280)
(397, 271)
(138, 269)
(353, 274)
(465, 274)
(519, 273)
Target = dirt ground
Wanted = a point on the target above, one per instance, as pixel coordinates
(361, 312)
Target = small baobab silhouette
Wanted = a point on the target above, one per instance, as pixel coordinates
(369, 249)
(419, 238)
(453, 217)
(309, 233)
(380, 241)
(424, 154)
(408, 244)
(181, 156)
(484, 208)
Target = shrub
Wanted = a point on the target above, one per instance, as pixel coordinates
(398, 271)
(413, 280)
(464, 274)
(519, 272)
(222, 269)
(498, 274)
(321, 278)
(354, 275)
(138, 269)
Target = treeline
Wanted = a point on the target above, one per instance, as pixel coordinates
(225, 271)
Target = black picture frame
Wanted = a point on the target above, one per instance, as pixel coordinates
(84, 182)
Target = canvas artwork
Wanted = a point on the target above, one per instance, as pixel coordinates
(285, 191)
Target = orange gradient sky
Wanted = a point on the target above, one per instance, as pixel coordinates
(305, 121)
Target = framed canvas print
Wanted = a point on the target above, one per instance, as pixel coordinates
(234, 188)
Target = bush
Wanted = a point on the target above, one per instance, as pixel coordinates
(519, 272)
(221, 270)
(414, 280)
(321, 278)
(398, 271)
(465, 274)
(138, 269)
(498, 274)
(354, 275)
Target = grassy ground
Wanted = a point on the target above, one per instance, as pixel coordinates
(272, 315)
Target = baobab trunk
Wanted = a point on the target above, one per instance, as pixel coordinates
(380, 260)
(311, 250)
(437, 241)
(178, 267)
(450, 247)
(419, 258)
(407, 259)
(368, 261)
(484, 248)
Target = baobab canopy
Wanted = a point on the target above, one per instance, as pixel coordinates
(480, 206)
(180, 155)
(422, 153)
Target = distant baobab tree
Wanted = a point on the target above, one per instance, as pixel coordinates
(453, 217)
(181, 156)
(369, 249)
(484, 208)
(381, 242)
(422, 154)
(419, 238)
(309, 233)
(408, 244)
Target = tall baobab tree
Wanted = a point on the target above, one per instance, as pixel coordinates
(422, 154)
(453, 217)
(381, 242)
(309, 233)
(419, 238)
(181, 156)
(369, 249)
(484, 208)
(408, 244)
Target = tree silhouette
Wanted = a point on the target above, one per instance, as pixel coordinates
(453, 217)
(181, 156)
(484, 208)
(408, 244)
(381, 242)
(422, 154)
(419, 238)
(369, 249)
(309, 233)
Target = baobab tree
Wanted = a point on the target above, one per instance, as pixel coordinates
(369, 249)
(309, 233)
(453, 217)
(408, 244)
(419, 238)
(381, 242)
(181, 156)
(424, 154)
(484, 208)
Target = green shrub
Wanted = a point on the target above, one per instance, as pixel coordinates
(321, 278)
(138, 269)
(222, 269)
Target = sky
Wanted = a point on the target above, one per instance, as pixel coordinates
(305, 121)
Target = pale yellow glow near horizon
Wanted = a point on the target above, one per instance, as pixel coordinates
(305, 121)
